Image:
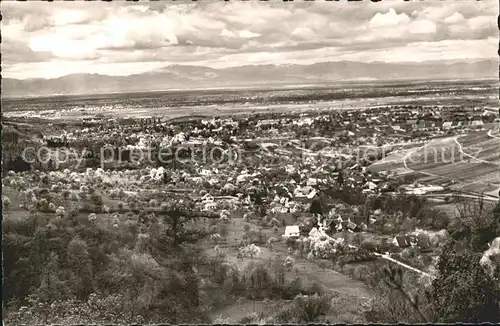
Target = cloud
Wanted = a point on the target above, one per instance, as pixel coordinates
(240, 34)
(226, 33)
(67, 17)
(19, 53)
(246, 32)
(422, 27)
(389, 19)
(481, 22)
(304, 33)
(453, 19)
(393, 25)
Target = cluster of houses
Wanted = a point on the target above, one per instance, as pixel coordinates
(291, 185)
(327, 226)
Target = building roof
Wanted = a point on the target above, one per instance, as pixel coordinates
(291, 229)
(402, 240)
(351, 225)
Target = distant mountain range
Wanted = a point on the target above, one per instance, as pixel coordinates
(186, 77)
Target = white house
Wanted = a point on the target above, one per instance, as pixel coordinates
(447, 125)
(291, 231)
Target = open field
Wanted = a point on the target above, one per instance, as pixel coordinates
(309, 271)
(470, 161)
(240, 101)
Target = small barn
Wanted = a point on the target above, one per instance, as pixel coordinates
(292, 231)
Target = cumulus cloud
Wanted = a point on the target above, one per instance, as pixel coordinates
(389, 19)
(480, 22)
(453, 19)
(238, 33)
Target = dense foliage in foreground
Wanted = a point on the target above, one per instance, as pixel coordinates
(76, 270)
(79, 270)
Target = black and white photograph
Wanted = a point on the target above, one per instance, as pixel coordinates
(250, 162)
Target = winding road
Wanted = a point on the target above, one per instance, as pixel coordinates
(473, 157)
(491, 135)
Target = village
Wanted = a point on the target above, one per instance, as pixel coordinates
(274, 171)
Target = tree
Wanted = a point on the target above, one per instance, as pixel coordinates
(223, 230)
(340, 178)
(394, 279)
(51, 286)
(399, 296)
(463, 292)
(176, 216)
(250, 251)
(475, 225)
(170, 248)
(81, 268)
(316, 206)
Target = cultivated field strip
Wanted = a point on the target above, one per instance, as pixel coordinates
(471, 162)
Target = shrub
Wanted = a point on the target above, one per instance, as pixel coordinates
(368, 245)
(6, 202)
(309, 307)
(73, 212)
(286, 315)
(462, 291)
(105, 209)
(291, 242)
(60, 211)
(52, 207)
(317, 288)
(252, 318)
(250, 251)
(92, 217)
(257, 280)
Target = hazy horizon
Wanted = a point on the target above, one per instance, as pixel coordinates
(430, 62)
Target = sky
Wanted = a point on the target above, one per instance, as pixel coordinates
(49, 40)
